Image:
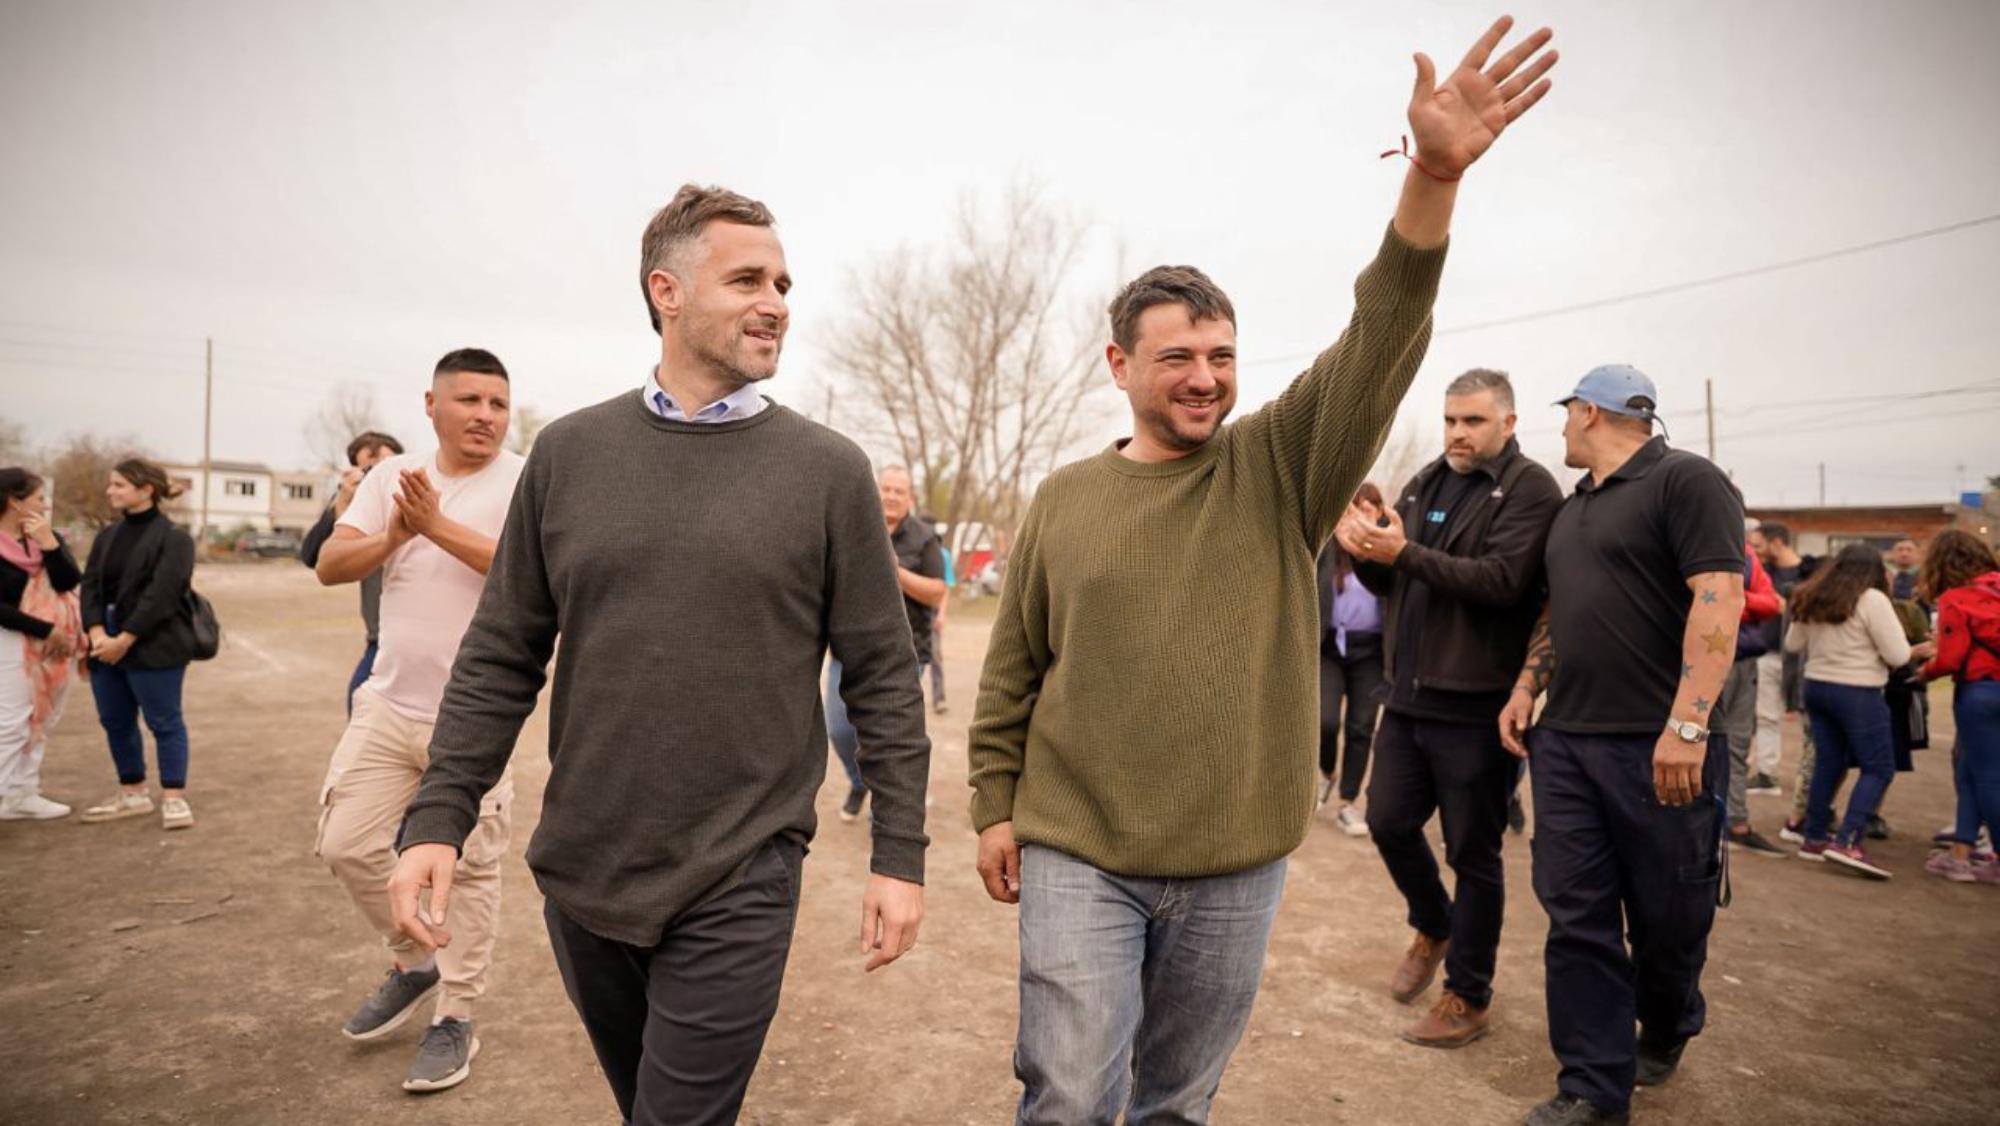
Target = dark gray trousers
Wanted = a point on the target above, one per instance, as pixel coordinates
(678, 1027)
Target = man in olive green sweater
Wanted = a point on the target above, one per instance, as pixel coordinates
(1141, 757)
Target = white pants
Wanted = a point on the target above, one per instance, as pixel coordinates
(20, 754)
(1770, 714)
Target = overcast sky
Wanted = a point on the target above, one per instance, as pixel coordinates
(345, 191)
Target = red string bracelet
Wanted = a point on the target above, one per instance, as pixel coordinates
(1405, 153)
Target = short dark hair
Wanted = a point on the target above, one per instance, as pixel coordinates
(17, 483)
(1772, 530)
(478, 361)
(1167, 285)
(371, 440)
(1484, 379)
(681, 221)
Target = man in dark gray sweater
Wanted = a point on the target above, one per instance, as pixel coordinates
(698, 549)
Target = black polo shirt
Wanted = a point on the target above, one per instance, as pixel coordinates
(1619, 557)
(918, 550)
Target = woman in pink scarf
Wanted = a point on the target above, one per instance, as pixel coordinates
(41, 639)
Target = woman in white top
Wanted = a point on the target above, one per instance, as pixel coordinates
(1844, 622)
(41, 634)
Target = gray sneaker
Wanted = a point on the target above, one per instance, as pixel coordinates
(445, 1059)
(395, 999)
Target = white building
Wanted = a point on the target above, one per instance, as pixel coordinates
(239, 494)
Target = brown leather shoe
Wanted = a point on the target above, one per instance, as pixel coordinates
(1419, 965)
(1451, 1023)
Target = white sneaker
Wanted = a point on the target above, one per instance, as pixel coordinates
(1351, 822)
(31, 807)
(175, 813)
(1325, 792)
(118, 805)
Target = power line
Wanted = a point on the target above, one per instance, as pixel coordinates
(1684, 286)
(1844, 406)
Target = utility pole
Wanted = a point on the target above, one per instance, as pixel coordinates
(1708, 386)
(207, 432)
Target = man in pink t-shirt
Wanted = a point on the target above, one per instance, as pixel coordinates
(430, 523)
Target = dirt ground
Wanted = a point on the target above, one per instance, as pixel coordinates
(201, 977)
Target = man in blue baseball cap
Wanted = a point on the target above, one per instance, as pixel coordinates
(1645, 579)
(1621, 389)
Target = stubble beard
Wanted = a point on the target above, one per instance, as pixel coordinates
(720, 348)
(1170, 435)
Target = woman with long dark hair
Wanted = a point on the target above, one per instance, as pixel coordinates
(41, 634)
(1350, 673)
(135, 607)
(1844, 621)
(1961, 574)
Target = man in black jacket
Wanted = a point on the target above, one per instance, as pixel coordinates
(1464, 587)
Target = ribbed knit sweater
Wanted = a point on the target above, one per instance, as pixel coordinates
(1150, 700)
(697, 575)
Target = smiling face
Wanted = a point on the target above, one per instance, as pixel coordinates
(125, 496)
(1180, 376)
(469, 412)
(897, 495)
(723, 300)
(1476, 429)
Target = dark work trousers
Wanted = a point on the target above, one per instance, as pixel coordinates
(1460, 772)
(1610, 859)
(1354, 680)
(678, 1027)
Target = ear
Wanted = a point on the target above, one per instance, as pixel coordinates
(1120, 364)
(430, 404)
(1507, 424)
(667, 294)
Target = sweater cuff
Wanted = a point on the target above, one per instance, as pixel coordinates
(993, 802)
(899, 858)
(433, 825)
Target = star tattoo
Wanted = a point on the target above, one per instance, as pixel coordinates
(1716, 640)
(1687, 671)
(1701, 704)
(1708, 597)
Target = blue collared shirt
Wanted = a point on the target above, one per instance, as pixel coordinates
(740, 403)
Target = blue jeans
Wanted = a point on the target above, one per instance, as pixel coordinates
(1850, 729)
(363, 669)
(1975, 708)
(122, 696)
(1134, 990)
(846, 742)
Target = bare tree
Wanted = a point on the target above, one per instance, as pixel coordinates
(975, 361)
(347, 410)
(77, 471)
(525, 426)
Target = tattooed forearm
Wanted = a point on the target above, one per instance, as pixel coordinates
(1540, 667)
(1709, 644)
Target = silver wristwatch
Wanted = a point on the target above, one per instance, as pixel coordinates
(1688, 730)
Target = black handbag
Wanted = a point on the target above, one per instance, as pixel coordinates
(207, 627)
